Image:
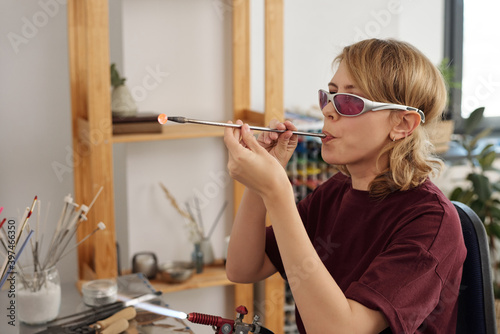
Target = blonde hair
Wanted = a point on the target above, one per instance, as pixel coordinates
(396, 72)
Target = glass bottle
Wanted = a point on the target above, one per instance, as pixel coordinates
(197, 257)
(38, 295)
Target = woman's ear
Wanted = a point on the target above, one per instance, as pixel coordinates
(407, 121)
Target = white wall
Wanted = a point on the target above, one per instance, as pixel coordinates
(179, 54)
(35, 115)
(316, 31)
(315, 34)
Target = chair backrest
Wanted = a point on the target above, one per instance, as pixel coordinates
(476, 304)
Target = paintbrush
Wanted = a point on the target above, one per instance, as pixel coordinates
(25, 221)
(162, 119)
(13, 262)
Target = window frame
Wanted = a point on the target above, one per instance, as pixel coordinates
(453, 50)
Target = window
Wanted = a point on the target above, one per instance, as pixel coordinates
(472, 33)
(481, 57)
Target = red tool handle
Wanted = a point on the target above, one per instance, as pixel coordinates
(223, 325)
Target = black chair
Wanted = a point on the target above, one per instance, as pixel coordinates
(476, 303)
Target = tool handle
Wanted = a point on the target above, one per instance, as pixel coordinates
(211, 320)
(127, 313)
(116, 327)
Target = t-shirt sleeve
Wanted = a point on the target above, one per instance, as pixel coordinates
(396, 293)
(410, 281)
(415, 280)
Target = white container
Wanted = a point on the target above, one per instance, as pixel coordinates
(208, 252)
(38, 296)
(99, 292)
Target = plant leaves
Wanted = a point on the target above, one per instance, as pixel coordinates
(468, 196)
(488, 148)
(116, 80)
(487, 160)
(480, 135)
(462, 195)
(472, 122)
(456, 194)
(481, 185)
(494, 212)
(494, 228)
(478, 207)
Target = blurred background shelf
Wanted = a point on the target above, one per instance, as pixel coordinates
(214, 275)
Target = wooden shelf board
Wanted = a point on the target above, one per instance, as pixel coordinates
(183, 131)
(174, 131)
(211, 276)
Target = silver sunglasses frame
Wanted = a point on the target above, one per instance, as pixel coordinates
(371, 105)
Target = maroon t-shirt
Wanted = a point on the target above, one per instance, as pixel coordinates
(402, 256)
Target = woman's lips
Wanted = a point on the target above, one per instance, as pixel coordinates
(327, 138)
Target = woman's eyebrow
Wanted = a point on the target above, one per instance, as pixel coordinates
(346, 87)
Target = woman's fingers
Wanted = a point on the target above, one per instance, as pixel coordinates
(236, 137)
(250, 140)
(275, 124)
(269, 137)
(232, 137)
(289, 126)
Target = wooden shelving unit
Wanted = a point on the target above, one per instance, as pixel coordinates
(88, 33)
(183, 131)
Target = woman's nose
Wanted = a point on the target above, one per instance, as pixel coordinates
(329, 111)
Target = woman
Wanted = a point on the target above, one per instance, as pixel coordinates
(377, 247)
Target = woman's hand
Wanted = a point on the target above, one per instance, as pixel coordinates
(257, 167)
(279, 145)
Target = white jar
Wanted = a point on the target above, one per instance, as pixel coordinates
(38, 295)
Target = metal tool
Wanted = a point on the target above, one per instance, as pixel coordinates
(162, 119)
(117, 323)
(219, 324)
(89, 321)
(226, 326)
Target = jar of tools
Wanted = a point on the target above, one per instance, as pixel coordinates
(38, 295)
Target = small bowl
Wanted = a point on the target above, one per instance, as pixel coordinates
(176, 271)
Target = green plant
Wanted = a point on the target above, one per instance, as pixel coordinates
(448, 72)
(116, 80)
(482, 192)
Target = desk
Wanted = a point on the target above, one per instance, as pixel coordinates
(71, 303)
(212, 276)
